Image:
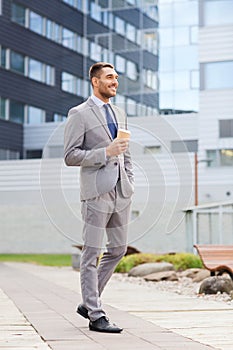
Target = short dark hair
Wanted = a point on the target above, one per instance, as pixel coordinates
(96, 68)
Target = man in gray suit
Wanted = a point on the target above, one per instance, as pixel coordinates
(106, 187)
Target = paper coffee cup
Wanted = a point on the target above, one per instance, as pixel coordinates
(123, 134)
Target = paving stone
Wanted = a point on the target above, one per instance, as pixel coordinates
(47, 298)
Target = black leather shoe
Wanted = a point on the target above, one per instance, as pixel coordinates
(81, 310)
(102, 324)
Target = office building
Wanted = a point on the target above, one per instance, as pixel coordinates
(178, 56)
(46, 48)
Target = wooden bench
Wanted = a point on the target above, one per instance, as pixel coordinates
(216, 258)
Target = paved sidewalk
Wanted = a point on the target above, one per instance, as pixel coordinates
(38, 312)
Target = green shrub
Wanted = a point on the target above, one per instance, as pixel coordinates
(181, 261)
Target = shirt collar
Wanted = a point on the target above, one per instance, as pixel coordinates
(98, 101)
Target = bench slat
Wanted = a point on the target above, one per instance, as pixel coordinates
(216, 257)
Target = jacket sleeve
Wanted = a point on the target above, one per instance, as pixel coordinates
(74, 152)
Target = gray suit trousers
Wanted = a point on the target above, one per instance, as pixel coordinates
(107, 213)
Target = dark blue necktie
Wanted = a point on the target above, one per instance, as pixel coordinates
(111, 125)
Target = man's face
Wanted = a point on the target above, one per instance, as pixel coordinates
(106, 85)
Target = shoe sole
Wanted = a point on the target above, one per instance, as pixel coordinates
(104, 330)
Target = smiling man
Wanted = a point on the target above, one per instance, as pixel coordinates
(106, 188)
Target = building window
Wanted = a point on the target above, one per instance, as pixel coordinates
(150, 79)
(34, 154)
(151, 11)
(73, 84)
(212, 155)
(49, 32)
(35, 70)
(150, 41)
(18, 14)
(152, 149)
(131, 70)
(184, 146)
(16, 112)
(131, 107)
(95, 51)
(8, 154)
(130, 32)
(226, 128)
(57, 30)
(120, 25)
(95, 12)
(36, 23)
(17, 62)
(49, 75)
(68, 38)
(2, 108)
(222, 157)
(226, 157)
(218, 12)
(59, 117)
(135, 214)
(120, 64)
(27, 66)
(70, 2)
(35, 115)
(2, 57)
(217, 75)
(68, 84)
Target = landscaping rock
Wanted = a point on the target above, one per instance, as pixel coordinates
(148, 268)
(213, 285)
(162, 276)
(190, 273)
(201, 275)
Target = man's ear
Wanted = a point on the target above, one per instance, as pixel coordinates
(95, 81)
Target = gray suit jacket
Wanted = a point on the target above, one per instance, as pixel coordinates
(85, 139)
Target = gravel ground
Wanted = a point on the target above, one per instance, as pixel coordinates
(185, 286)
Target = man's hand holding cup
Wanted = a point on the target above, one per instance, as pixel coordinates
(120, 144)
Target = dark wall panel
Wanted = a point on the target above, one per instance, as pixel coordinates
(11, 136)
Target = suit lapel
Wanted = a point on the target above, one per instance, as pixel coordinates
(99, 116)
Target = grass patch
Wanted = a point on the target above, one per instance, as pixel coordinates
(181, 261)
(40, 259)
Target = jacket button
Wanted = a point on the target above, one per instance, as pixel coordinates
(115, 163)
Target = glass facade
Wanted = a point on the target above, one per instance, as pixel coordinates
(27, 66)
(178, 56)
(129, 40)
(216, 12)
(217, 75)
(20, 113)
